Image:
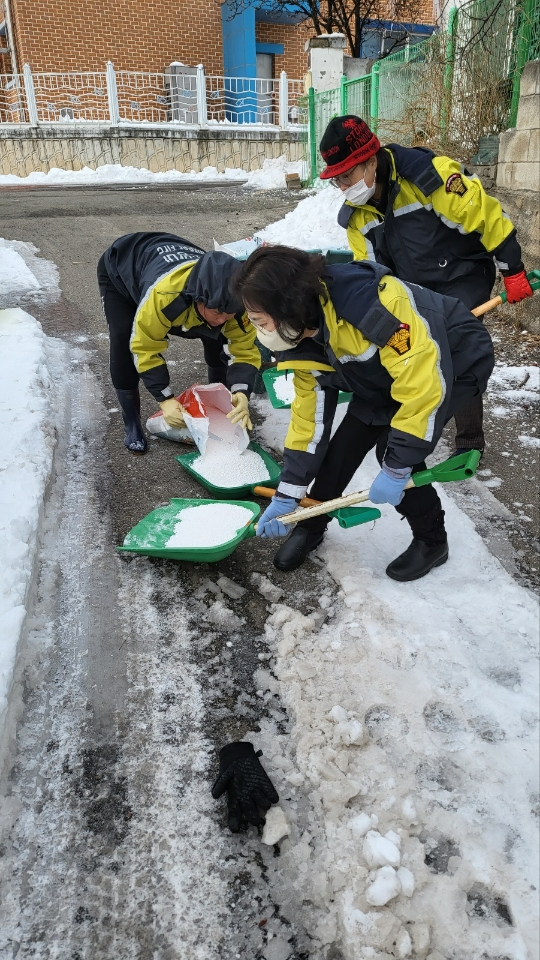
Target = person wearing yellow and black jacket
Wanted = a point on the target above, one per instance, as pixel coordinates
(154, 285)
(411, 359)
(423, 216)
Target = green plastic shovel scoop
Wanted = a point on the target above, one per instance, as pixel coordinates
(461, 467)
(152, 535)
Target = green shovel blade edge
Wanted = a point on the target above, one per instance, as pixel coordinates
(354, 516)
(461, 467)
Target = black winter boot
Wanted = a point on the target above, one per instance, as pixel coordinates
(130, 405)
(297, 547)
(429, 548)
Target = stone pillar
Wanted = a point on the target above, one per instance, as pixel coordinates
(518, 188)
(326, 60)
(519, 152)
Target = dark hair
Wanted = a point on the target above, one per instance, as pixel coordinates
(286, 284)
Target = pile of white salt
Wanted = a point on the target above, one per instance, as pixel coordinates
(284, 388)
(224, 466)
(222, 463)
(208, 525)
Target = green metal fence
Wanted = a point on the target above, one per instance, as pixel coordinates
(446, 92)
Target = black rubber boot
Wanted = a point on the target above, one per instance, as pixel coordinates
(130, 405)
(297, 547)
(419, 558)
(429, 548)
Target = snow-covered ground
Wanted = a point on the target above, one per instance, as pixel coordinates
(270, 177)
(27, 439)
(408, 776)
(25, 277)
(415, 719)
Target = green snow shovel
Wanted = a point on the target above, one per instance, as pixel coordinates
(534, 279)
(273, 375)
(149, 537)
(461, 467)
(188, 461)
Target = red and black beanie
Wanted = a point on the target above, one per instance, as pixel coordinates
(346, 142)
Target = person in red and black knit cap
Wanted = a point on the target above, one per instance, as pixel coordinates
(429, 221)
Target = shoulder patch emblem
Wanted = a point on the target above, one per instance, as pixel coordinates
(455, 184)
(400, 341)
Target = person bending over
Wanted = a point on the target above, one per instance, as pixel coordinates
(423, 216)
(411, 359)
(154, 285)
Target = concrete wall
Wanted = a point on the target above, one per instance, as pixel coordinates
(523, 208)
(25, 151)
(518, 187)
(519, 152)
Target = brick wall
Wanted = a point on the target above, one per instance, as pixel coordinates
(146, 35)
(294, 59)
(63, 35)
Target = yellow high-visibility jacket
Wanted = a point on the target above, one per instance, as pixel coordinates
(402, 350)
(438, 226)
(164, 275)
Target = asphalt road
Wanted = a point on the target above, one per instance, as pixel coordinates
(113, 736)
(108, 791)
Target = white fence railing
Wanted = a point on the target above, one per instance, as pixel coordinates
(125, 97)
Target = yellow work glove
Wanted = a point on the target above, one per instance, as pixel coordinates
(240, 414)
(173, 413)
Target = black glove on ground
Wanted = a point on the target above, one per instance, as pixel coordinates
(247, 784)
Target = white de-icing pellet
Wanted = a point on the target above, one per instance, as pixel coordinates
(208, 525)
(284, 389)
(223, 466)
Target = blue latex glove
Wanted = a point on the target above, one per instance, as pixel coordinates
(389, 485)
(268, 526)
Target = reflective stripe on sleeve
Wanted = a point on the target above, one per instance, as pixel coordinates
(291, 490)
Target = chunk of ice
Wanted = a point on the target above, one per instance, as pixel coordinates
(385, 887)
(276, 826)
(380, 852)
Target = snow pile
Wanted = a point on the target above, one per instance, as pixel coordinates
(27, 440)
(15, 277)
(311, 225)
(517, 386)
(24, 277)
(223, 466)
(270, 177)
(414, 750)
(209, 525)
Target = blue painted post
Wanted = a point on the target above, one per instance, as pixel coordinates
(240, 63)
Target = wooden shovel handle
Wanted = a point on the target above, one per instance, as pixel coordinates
(269, 493)
(484, 307)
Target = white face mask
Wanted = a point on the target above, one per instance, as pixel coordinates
(359, 193)
(272, 340)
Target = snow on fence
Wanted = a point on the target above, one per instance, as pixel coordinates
(129, 97)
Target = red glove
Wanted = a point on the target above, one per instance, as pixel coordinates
(517, 287)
